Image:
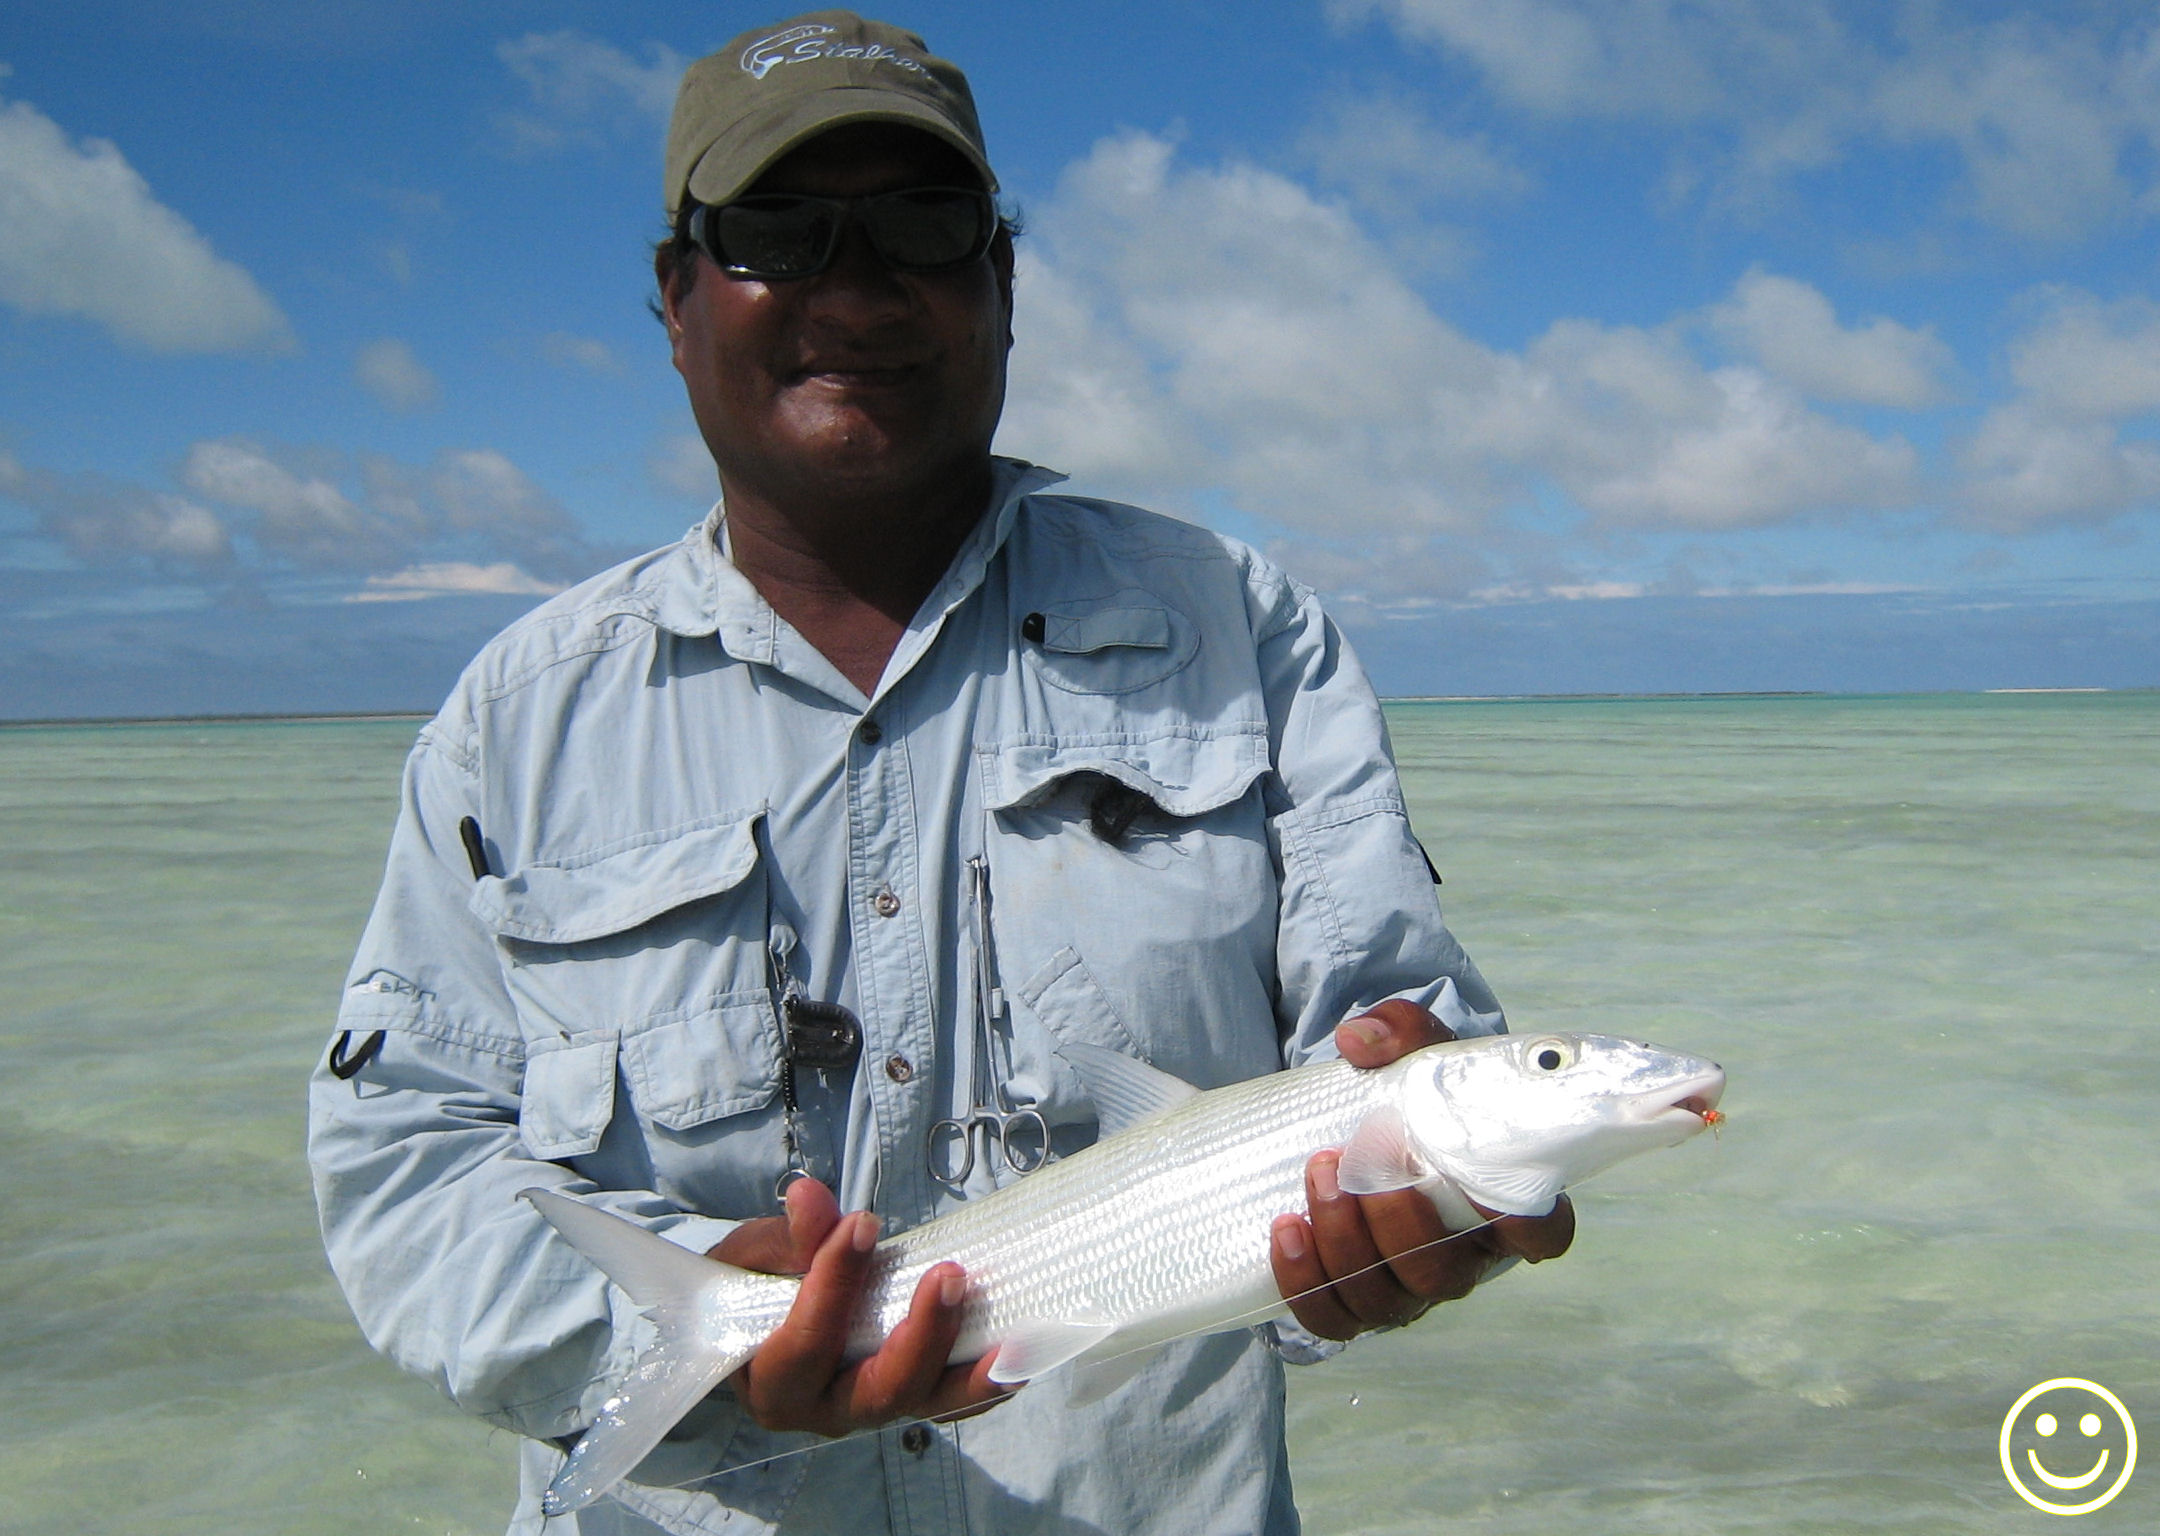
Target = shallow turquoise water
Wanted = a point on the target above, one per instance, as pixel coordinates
(1923, 935)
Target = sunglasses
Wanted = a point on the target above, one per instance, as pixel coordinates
(779, 235)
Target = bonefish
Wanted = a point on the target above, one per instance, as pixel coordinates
(1161, 1229)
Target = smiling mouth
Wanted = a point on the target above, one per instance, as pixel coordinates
(2066, 1483)
(856, 374)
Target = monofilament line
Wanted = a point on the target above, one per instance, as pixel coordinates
(1257, 1314)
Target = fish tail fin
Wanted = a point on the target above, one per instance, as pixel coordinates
(711, 1318)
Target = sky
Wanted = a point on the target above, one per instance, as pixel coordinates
(1563, 345)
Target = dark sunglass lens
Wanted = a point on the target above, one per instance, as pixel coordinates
(929, 227)
(774, 236)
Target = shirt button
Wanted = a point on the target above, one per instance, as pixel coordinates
(915, 1439)
(872, 733)
(899, 1068)
(885, 902)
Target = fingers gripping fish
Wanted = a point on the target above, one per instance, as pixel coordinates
(1161, 1229)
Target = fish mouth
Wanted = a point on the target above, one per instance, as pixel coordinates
(1695, 1100)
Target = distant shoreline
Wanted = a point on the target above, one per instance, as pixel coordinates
(356, 717)
(281, 718)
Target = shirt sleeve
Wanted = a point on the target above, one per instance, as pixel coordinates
(418, 1160)
(1360, 921)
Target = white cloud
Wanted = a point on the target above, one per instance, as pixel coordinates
(2027, 467)
(252, 508)
(452, 579)
(586, 352)
(1751, 454)
(1572, 592)
(106, 522)
(1224, 334)
(1561, 57)
(1793, 332)
(682, 465)
(2087, 358)
(1813, 589)
(320, 509)
(480, 490)
(2050, 112)
(577, 83)
(2058, 451)
(398, 380)
(1386, 151)
(81, 234)
(2038, 115)
(299, 516)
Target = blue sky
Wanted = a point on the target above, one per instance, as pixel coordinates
(1565, 344)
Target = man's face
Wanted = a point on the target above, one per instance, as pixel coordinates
(858, 381)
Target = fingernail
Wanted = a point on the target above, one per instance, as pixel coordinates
(952, 1290)
(1324, 1183)
(1371, 1031)
(1290, 1238)
(864, 1237)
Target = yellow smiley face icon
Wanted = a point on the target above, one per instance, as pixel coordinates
(2065, 1436)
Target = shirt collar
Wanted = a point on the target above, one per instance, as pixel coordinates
(696, 591)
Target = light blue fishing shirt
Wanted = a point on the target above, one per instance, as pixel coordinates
(687, 812)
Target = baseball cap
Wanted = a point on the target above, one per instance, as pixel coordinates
(774, 87)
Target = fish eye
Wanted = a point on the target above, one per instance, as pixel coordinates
(1551, 1055)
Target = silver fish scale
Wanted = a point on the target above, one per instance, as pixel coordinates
(1140, 1225)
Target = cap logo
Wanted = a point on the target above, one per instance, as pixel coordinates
(801, 44)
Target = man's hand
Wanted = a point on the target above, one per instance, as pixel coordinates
(799, 1378)
(1365, 1261)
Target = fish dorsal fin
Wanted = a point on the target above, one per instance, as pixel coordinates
(1379, 1156)
(1126, 1091)
(1092, 1382)
(1034, 1348)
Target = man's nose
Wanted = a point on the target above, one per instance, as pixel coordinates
(857, 279)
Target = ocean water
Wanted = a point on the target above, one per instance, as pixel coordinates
(1922, 934)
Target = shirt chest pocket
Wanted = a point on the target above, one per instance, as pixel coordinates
(644, 963)
(1134, 906)
(1108, 646)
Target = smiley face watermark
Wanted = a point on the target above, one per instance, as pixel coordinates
(2063, 1437)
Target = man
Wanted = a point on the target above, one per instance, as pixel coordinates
(734, 876)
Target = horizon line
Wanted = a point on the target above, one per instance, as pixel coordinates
(303, 717)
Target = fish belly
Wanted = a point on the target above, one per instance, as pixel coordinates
(1158, 1233)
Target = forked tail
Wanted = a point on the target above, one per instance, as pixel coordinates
(711, 1317)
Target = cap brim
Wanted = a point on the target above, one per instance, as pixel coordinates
(751, 146)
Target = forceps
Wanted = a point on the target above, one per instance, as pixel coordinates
(1016, 1132)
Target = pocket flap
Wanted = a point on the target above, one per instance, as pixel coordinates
(688, 1071)
(1111, 645)
(617, 886)
(568, 1099)
(1082, 633)
(1185, 775)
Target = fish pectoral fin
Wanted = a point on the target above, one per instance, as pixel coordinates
(1126, 1090)
(1034, 1348)
(1379, 1157)
(1519, 1189)
(1092, 1381)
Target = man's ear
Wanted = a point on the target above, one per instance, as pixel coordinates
(1001, 264)
(665, 279)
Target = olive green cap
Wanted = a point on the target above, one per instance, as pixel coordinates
(739, 110)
